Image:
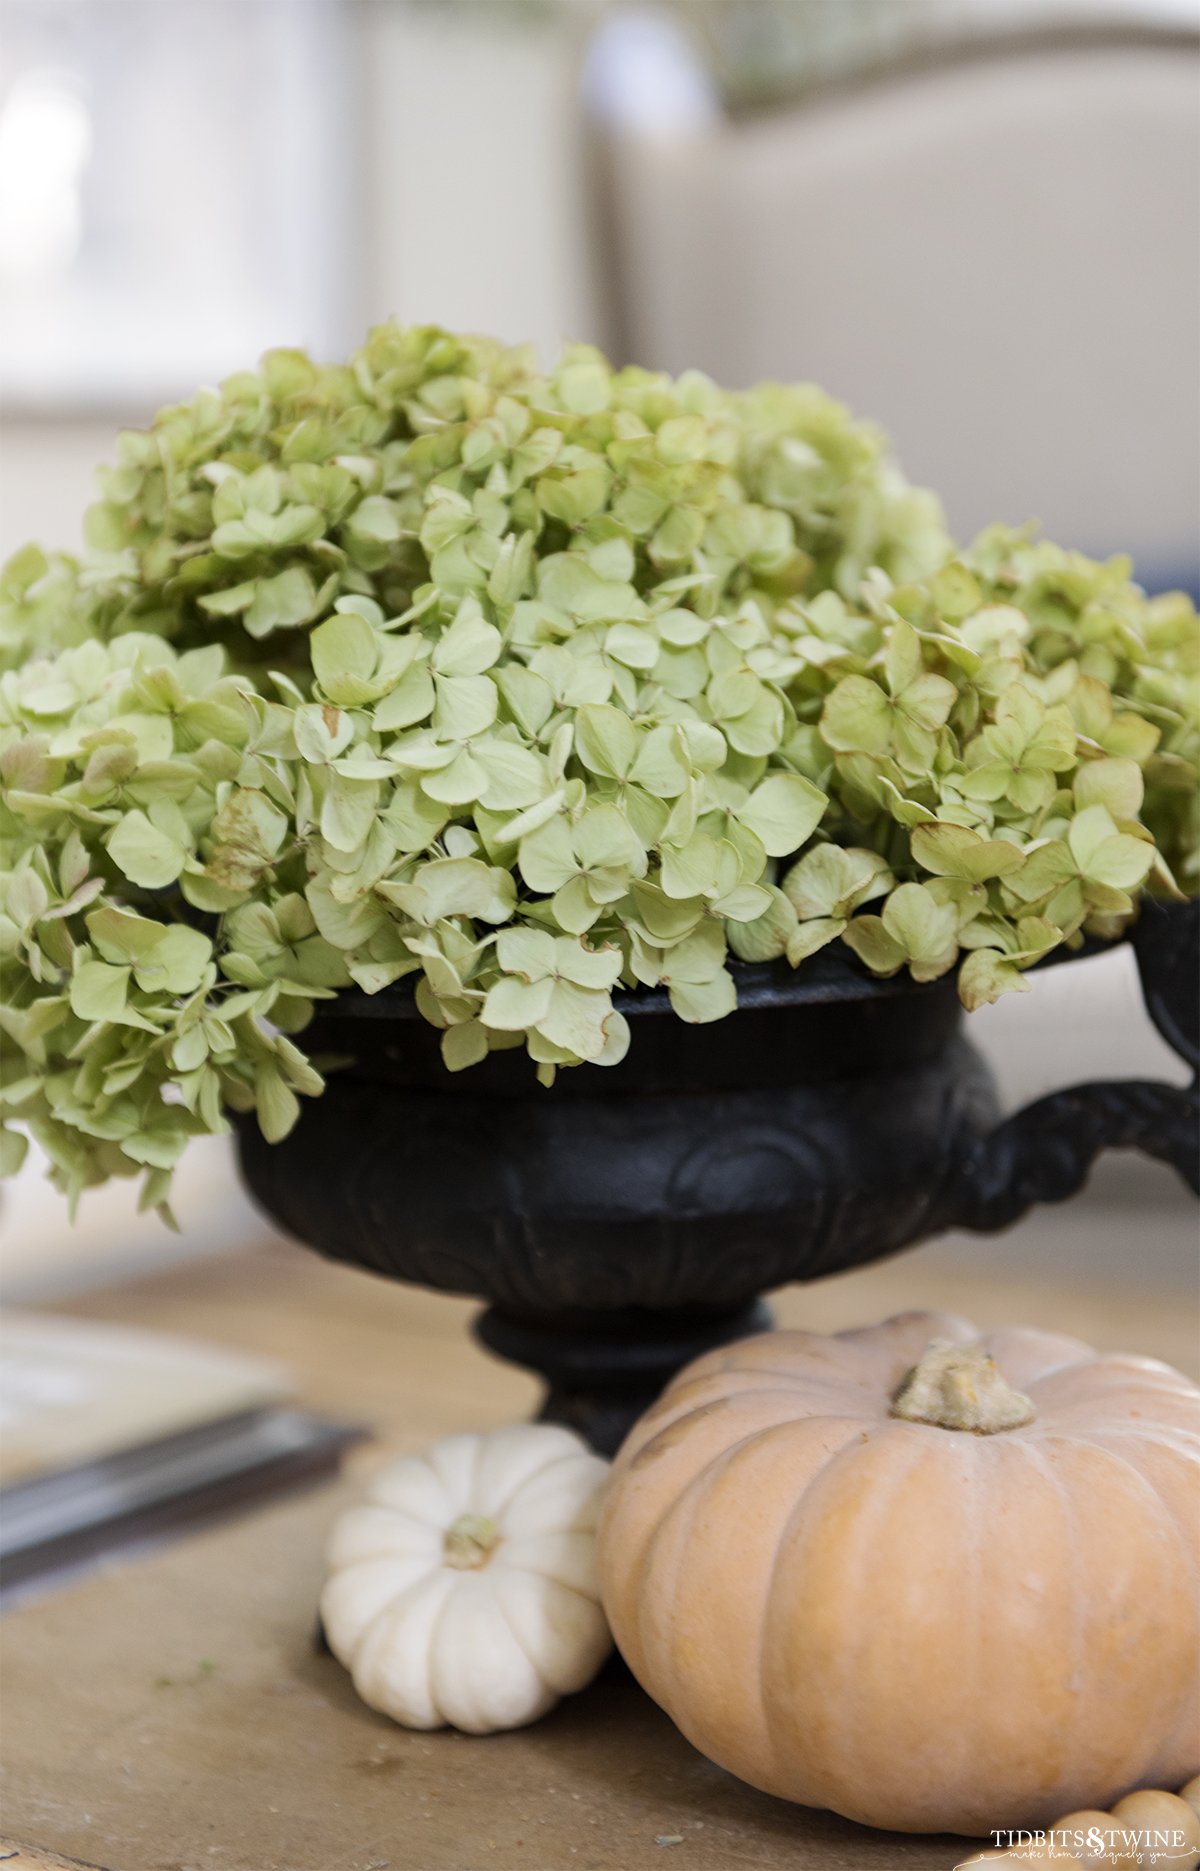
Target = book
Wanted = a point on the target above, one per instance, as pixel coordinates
(112, 1437)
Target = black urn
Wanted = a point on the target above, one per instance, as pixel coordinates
(626, 1219)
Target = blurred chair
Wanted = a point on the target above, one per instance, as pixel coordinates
(993, 248)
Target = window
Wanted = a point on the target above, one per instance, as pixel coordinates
(175, 183)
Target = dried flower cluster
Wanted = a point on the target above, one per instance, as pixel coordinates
(529, 686)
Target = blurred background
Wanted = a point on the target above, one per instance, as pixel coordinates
(977, 221)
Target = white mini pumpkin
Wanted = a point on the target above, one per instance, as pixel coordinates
(463, 1591)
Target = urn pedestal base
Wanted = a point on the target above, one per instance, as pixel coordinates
(601, 1374)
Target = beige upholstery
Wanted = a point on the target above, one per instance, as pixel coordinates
(998, 256)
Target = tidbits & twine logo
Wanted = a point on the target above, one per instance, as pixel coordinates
(1109, 1844)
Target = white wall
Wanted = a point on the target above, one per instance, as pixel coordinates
(473, 191)
(46, 475)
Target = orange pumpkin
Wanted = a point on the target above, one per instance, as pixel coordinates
(929, 1580)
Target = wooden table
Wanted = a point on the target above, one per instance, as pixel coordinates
(171, 1714)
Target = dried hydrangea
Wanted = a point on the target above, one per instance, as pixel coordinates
(529, 687)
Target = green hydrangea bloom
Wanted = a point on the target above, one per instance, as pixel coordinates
(529, 687)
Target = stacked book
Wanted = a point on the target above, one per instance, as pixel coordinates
(110, 1438)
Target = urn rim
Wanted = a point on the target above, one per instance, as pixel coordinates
(830, 976)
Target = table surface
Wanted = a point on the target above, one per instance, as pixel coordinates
(170, 1712)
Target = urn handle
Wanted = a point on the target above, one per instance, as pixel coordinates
(1044, 1153)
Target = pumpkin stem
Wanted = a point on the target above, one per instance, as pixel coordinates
(958, 1387)
(469, 1542)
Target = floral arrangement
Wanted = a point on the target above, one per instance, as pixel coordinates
(530, 686)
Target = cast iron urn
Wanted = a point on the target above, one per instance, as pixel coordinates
(626, 1219)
